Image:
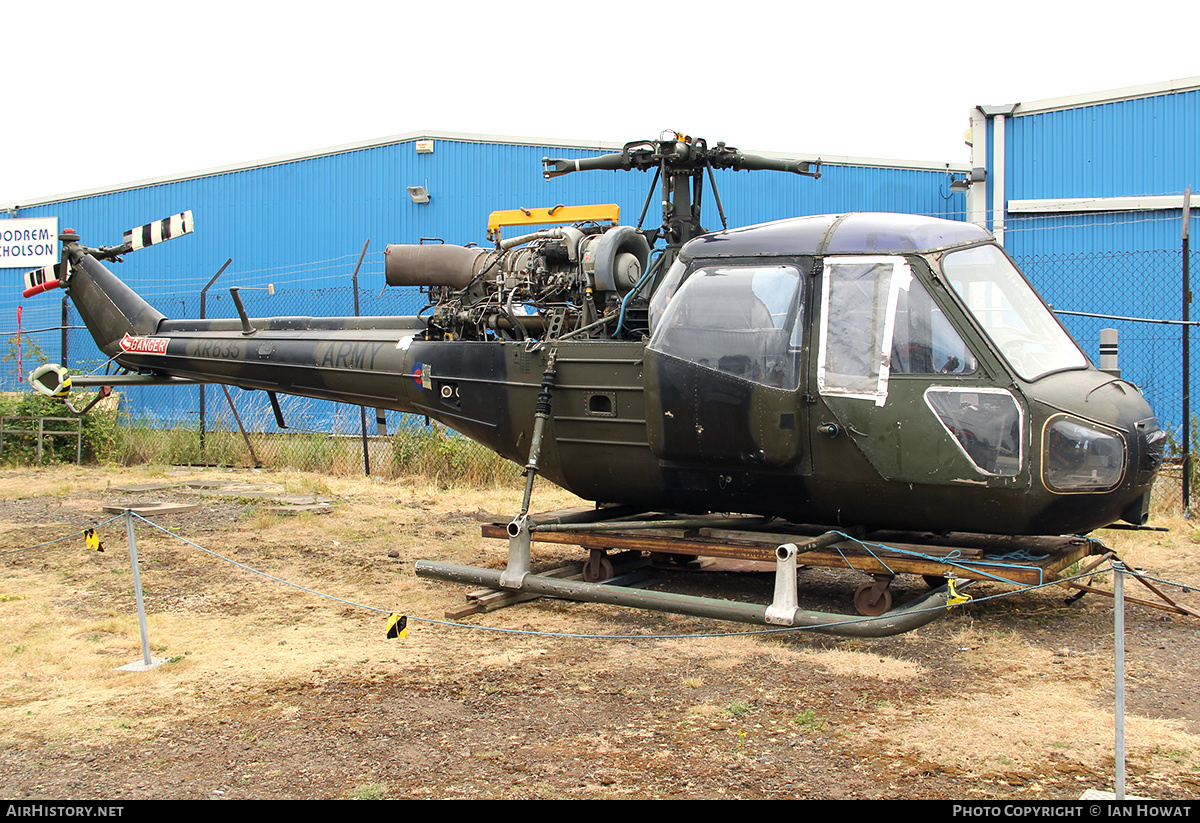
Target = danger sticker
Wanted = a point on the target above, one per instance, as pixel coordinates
(144, 345)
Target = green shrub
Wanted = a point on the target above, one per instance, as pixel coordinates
(434, 452)
(103, 435)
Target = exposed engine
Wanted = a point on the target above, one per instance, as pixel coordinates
(580, 278)
(584, 279)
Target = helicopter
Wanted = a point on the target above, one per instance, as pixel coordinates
(859, 371)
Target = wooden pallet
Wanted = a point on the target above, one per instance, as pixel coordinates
(1014, 560)
(970, 557)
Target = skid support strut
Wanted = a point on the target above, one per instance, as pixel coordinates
(518, 529)
(784, 604)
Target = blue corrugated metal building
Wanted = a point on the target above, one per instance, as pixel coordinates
(299, 223)
(1087, 193)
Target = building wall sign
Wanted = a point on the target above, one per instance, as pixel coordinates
(28, 242)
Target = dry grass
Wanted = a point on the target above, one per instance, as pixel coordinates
(433, 452)
(69, 615)
(989, 699)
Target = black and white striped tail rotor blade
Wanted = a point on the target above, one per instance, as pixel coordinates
(160, 230)
(46, 278)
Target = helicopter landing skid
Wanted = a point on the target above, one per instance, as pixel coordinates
(781, 613)
(591, 529)
(944, 561)
(740, 540)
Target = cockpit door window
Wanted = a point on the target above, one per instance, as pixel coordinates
(924, 341)
(741, 320)
(858, 311)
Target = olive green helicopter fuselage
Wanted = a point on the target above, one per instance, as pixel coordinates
(876, 370)
(783, 374)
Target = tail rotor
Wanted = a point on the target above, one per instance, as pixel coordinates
(166, 229)
(57, 276)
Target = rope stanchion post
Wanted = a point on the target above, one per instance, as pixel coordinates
(147, 662)
(1119, 676)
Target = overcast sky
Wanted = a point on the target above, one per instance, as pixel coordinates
(104, 93)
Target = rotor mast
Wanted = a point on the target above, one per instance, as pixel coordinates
(679, 162)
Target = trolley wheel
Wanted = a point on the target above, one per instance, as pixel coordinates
(862, 601)
(597, 568)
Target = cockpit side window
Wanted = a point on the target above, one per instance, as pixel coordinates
(878, 320)
(924, 341)
(740, 320)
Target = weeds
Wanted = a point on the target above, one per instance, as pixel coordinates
(809, 721)
(432, 452)
(102, 440)
(864, 701)
(447, 458)
(738, 708)
(370, 791)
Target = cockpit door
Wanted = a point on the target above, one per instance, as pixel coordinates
(724, 367)
(896, 380)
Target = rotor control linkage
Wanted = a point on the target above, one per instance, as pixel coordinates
(679, 163)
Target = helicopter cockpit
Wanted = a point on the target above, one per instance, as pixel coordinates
(877, 319)
(745, 320)
(888, 335)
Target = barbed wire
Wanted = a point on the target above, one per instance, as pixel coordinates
(176, 286)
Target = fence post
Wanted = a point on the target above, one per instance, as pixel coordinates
(238, 418)
(65, 322)
(203, 306)
(362, 410)
(1187, 366)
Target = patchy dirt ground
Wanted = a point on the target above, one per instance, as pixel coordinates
(272, 692)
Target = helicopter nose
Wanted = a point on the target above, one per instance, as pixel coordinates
(1151, 442)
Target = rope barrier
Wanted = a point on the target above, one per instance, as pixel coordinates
(79, 533)
(585, 636)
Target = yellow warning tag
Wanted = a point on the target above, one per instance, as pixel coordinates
(956, 598)
(92, 540)
(397, 626)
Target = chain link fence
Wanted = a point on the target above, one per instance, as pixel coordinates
(196, 425)
(1142, 294)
